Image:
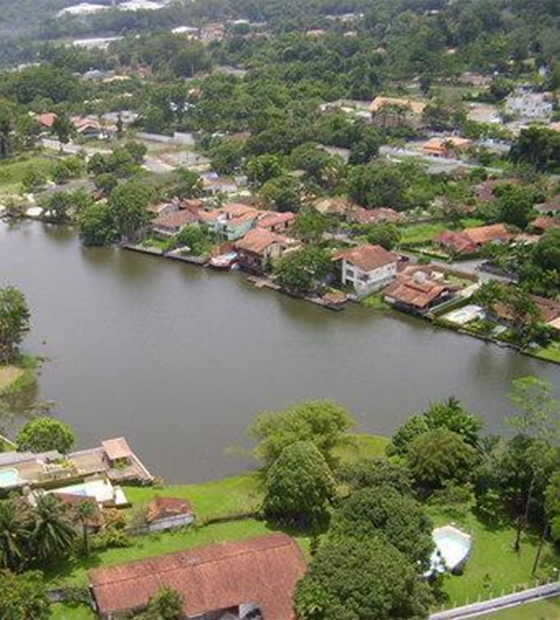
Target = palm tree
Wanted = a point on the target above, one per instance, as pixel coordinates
(53, 533)
(14, 531)
(84, 511)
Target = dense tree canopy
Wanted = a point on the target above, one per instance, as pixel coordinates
(44, 435)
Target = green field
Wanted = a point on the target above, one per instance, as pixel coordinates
(13, 171)
(493, 568)
(421, 233)
(543, 610)
(550, 353)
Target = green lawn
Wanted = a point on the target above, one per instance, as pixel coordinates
(360, 447)
(210, 500)
(67, 611)
(421, 233)
(375, 302)
(493, 567)
(13, 171)
(550, 353)
(543, 610)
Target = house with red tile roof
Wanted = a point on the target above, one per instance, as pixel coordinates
(417, 290)
(551, 207)
(375, 216)
(470, 240)
(276, 222)
(445, 147)
(170, 224)
(367, 268)
(231, 222)
(543, 223)
(255, 575)
(259, 247)
(46, 120)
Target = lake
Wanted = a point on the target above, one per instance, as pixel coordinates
(179, 359)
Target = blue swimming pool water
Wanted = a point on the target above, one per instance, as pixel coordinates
(9, 477)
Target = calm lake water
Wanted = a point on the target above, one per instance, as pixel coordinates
(179, 359)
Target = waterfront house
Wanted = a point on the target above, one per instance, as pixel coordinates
(172, 223)
(113, 459)
(445, 147)
(231, 222)
(234, 580)
(397, 112)
(98, 489)
(367, 268)
(276, 222)
(259, 247)
(417, 290)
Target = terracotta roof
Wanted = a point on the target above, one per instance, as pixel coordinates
(456, 241)
(552, 206)
(367, 257)
(440, 146)
(83, 123)
(158, 208)
(262, 570)
(417, 107)
(47, 119)
(258, 239)
(272, 219)
(163, 507)
(544, 223)
(485, 234)
(177, 219)
(549, 309)
(415, 290)
(116, 448)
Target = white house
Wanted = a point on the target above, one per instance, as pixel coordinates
(367, 268)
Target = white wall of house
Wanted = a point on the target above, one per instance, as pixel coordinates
(366, 282)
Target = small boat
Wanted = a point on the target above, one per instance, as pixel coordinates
(224, 261)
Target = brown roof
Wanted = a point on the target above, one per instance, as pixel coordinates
(177, 219)
(163, 507)
(416, 107)
(552, 206)
(262, 570)
(455, 241)
(549, 309)
(367, 257)
(47, 119)
(333, 206)
(485, 191)
(415, 290)
(273, 219)
(116, 448)
(440, 146)
(485, 234)
(258, 239)
(544, 223)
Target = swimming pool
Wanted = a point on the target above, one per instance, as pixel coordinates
(452, 549)
(9, 477)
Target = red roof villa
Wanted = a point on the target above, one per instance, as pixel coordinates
(223, 580)
(367, 268)
(468, 241)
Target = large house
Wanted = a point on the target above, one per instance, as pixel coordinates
(375, 216)
(260, 246)
(250, 579)
(113, 460)
(396, 112)
(276, 222)
(367, 268)
(172, 223)
(470, 240)
(417, 290)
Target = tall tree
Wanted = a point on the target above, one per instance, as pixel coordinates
(14, 322)
(23, 597)
(53, 532)
(14, 531)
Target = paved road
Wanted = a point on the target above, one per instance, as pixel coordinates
(502, 602)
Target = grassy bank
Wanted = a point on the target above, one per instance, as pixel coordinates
(13, 171)
(70, 611)
(16, 377)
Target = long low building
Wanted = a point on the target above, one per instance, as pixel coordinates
(254, 578)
